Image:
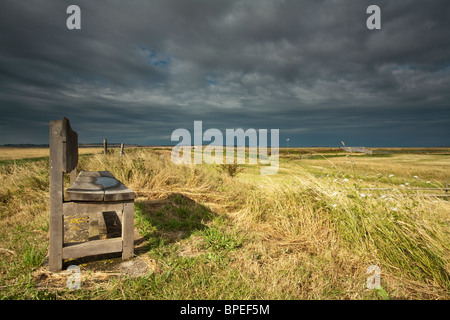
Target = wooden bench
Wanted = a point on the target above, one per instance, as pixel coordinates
(90, 193)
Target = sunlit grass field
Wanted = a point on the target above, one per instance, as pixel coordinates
(308, 232)
(11, 154)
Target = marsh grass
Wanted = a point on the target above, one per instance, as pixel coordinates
(308, 232)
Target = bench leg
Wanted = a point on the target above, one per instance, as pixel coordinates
(128, 230)
(56, 241)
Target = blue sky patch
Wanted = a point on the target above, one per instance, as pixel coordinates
(153, 58)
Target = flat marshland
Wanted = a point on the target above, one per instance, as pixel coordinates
(309, 232)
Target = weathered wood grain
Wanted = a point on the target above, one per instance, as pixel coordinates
(83, 208)
(98, 186)
(70, 146)
(91, 248)
(128, 230)
(56, 196)
(92, 193)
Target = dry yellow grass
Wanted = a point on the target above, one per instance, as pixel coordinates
(305, 233)
(9, 153)
(327, 215)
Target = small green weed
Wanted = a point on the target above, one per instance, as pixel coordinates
(219, 240)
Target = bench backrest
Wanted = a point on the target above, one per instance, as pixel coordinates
(63, 146)
(63, 158)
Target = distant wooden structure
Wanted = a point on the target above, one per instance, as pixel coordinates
(357, 150)
(90, 193)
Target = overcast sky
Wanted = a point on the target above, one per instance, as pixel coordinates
(138, 70)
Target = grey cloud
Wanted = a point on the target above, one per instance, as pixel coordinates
(141, 69)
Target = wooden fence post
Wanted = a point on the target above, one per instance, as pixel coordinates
(105, 146)
(121, 149)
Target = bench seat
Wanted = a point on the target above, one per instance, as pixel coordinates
(98, 186)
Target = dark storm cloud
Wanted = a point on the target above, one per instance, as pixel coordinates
(137, 70)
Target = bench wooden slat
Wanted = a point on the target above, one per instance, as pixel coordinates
(98, 186)
(86, 207)
(70, 146)
(91, 248)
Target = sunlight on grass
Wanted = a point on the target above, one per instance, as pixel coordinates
(308, 232)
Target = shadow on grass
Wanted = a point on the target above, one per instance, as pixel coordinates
(169, 220)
